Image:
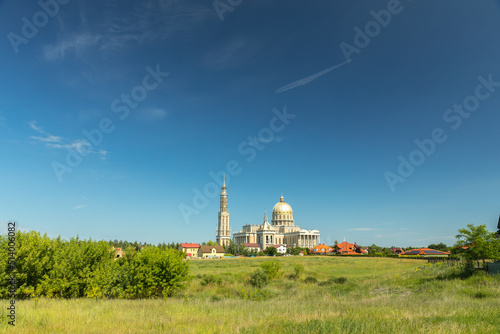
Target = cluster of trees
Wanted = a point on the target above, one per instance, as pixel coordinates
(53, 267)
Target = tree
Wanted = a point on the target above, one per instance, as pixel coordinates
(211, 243)
(242, 250)
(271, 251)
(374, 249)
(477, 243)
(232, 248)
(440, 246)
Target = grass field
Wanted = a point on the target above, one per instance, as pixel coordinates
(379, 295)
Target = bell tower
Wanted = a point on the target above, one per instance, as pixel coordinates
(223, 236)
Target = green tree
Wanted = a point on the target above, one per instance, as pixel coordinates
(477, 243)
(211, 243)
(232, 248)
(440, 246)
(271, 251)
(242, 250)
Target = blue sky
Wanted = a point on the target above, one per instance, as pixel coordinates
(174, 91)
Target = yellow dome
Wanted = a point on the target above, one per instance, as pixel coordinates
(282, 208)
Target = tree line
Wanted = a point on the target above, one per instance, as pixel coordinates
(56, 268)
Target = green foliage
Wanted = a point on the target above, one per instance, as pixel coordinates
(272, 269)
(479, 243)
(207, 279)
(440, 246)
(209, 243)
(86, 268)
(298, 270)
(255, 294)
(259, 278)
(242, 250)
(310, 280)
(271, 251)
(232, 248)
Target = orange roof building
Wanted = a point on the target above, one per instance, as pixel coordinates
(346, 248)
(425, 252)
(321, 249)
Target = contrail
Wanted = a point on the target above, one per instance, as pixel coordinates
(310, 78)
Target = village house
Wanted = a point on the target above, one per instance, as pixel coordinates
(321, 249)
(211, 252)
(346, 248)
(190, 249)
(425, 252)
(280, 248)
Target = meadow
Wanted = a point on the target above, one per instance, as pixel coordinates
(333, 295)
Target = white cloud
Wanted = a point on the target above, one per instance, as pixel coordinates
(101, 28)
(79, 145)
(78, 207)
(76, 44)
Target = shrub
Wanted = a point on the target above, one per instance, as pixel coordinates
(298, 270)
(258, 278)
(339, 280)
(272, 269)
(310, 280)
(210, 279)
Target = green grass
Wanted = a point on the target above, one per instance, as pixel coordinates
(352, 295)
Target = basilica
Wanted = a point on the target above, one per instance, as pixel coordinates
(281, 231)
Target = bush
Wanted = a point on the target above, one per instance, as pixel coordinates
(272, 269)
(258, 278)
(339, 280)
(210, 279)
(298, 270)
(310, 280)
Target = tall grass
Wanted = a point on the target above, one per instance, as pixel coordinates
(352, 295)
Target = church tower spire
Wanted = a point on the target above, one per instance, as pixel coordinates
(223, 235)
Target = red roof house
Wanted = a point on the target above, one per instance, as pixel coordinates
(321, 249)
(191, 249)
(346, 248)
(425, 252)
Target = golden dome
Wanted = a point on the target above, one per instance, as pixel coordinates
(282, 208)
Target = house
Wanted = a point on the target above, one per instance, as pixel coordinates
(210, 252)
(397, 250)
(190, 249)
(321, 249)
(425, 252)
(280, 248)
(252, 246)
(346, 248)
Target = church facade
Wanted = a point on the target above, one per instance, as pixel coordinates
(281, 231)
